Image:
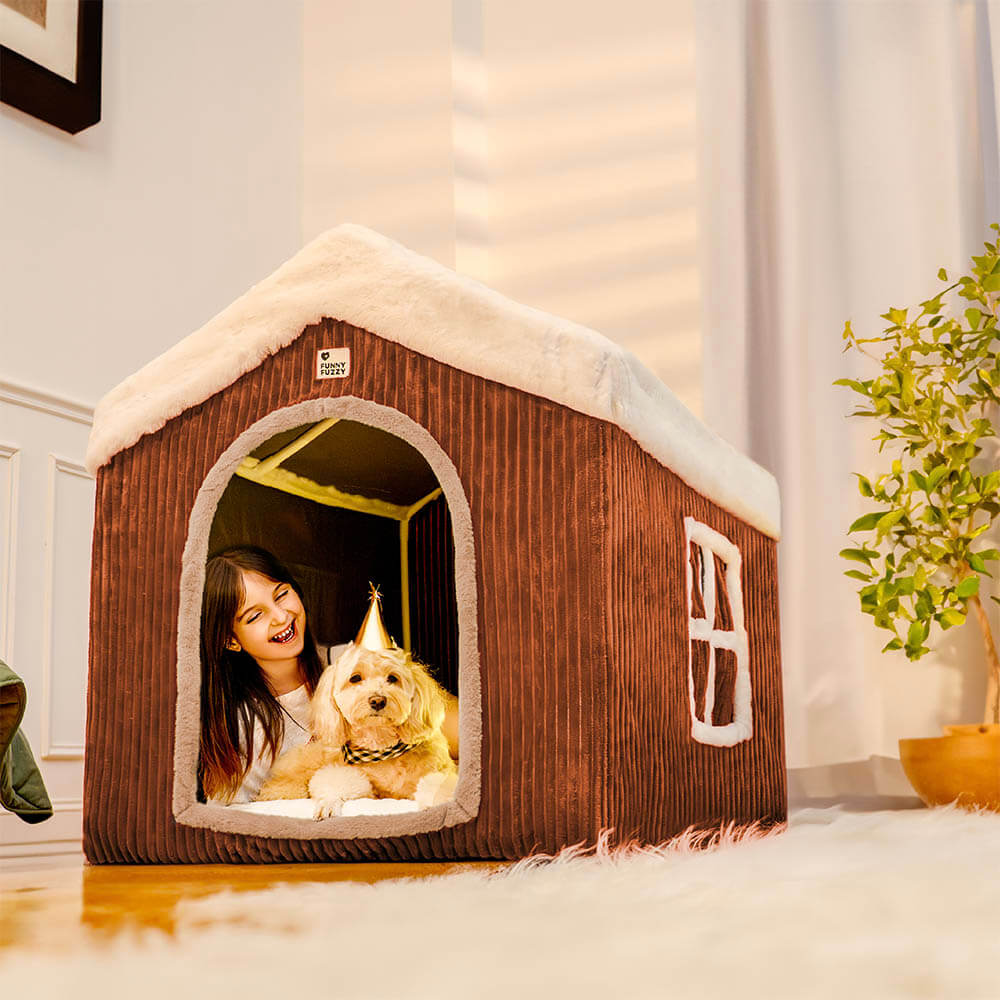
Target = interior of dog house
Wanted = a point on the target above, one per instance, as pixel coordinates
(566, 548)
(343, 504)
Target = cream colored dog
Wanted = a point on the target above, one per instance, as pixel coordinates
(376, 723)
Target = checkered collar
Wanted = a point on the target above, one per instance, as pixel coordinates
(358, 755)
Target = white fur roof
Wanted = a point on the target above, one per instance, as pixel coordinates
(355, 275)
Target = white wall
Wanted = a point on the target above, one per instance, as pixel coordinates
(580, 173)
(548, 150)
(377, 144)
(115, 244)
(121, 240)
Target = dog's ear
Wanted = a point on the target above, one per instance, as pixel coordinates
(426, 707)
(326, 720)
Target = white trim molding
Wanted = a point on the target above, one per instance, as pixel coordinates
(46, 402)
(712, 544)
(49, 749)
(60, 836)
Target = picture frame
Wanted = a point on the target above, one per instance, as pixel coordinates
(40, 73)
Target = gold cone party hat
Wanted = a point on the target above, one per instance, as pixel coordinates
(373, 634)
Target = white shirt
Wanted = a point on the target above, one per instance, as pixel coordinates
(296, 717)
(295, 706)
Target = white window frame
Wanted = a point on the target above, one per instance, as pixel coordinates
(712, 543)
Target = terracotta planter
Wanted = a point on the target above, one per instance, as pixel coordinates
(963, 766)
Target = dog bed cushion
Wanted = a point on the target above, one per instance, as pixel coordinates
(303, 808)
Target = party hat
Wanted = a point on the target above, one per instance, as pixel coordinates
(373, 634)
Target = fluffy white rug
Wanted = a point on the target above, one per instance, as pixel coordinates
(856, 905)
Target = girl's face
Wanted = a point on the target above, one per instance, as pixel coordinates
(270, 622)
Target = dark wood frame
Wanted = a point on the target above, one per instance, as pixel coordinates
(43, 94)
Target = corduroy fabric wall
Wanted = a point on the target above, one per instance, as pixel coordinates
(433, 616)
(582, 632)
(667, 781)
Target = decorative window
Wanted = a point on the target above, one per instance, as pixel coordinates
(719, 659)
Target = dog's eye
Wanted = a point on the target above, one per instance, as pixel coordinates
(355, 678)
(392, 679)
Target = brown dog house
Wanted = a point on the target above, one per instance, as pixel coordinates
(577, 557)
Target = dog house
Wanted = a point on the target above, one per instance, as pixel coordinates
(578, 558)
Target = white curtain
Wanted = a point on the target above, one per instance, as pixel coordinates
(847, 150)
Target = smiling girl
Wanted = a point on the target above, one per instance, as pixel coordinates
(260, 666)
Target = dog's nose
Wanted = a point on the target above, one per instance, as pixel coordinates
(377, 702)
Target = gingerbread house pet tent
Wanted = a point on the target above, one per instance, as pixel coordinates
(580, 560)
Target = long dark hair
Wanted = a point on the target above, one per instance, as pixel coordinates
(234, 690)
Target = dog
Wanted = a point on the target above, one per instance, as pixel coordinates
(376, 719)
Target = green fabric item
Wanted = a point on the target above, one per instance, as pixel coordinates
(22, 790)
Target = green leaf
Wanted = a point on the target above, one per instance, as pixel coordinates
(858, 555)
(916, 635)
(935, 477)
(943, 274)
(892, 644)
(973, 317)
(851, 383)
(866, 522)
(906, 388)
(886, 521)
(989, 483)
(864, 485)
(965, 499)
(968, 586)
(857, 574)
(895, 316)
(951, 618)
(976, 562)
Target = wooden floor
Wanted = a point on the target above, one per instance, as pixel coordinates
(68, 902)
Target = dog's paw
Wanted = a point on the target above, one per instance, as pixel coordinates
(435, 788)
(325, 808)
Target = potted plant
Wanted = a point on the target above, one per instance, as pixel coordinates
(920, 556)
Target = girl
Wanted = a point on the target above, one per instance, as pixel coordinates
(260, 667)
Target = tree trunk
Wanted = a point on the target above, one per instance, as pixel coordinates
(992, 712)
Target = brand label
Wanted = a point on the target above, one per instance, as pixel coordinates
(333, 362)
